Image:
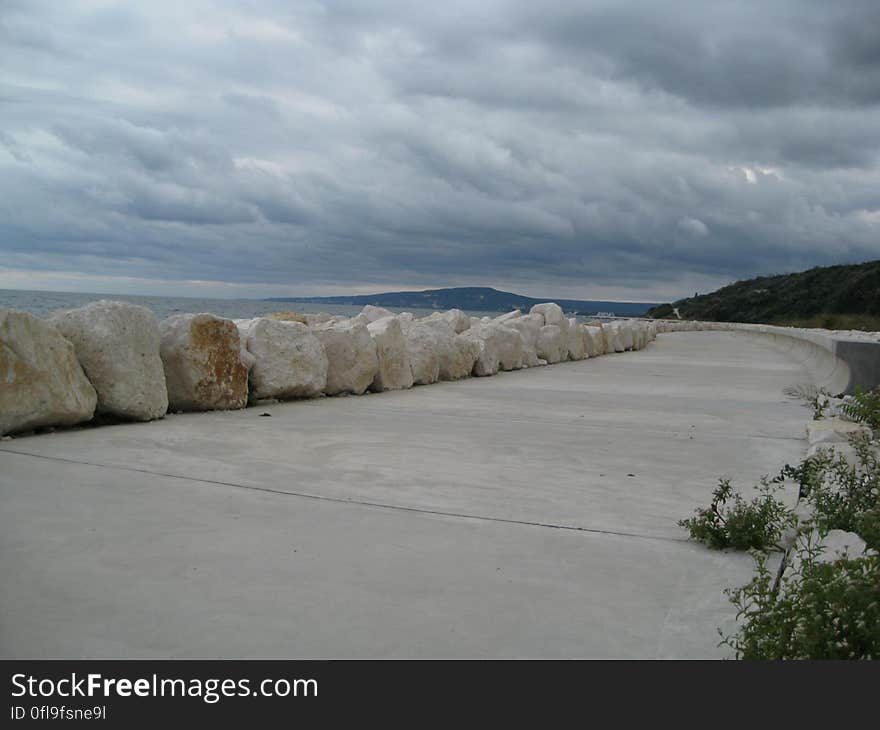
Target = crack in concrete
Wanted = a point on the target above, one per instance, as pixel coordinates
(346, 500)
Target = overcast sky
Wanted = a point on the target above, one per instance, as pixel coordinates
(623, 150)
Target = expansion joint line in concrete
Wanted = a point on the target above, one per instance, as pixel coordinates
(343, 500)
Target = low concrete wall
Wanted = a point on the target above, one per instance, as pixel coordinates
(837, 361)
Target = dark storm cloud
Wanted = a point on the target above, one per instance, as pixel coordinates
(582, 148)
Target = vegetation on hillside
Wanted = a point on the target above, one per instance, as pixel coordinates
(831, 297)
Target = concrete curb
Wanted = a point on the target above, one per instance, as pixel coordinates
(839, 362)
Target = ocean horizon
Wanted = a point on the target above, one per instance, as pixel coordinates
(43, 303)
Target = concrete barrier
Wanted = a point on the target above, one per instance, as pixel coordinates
(837, 361)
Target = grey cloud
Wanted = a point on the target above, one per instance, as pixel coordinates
(620, 145)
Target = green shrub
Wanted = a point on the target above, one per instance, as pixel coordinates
(822, 611)
(731, 522)
(838, 492)
(868, 527)
(863, 407)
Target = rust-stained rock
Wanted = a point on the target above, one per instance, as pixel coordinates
(204, 371)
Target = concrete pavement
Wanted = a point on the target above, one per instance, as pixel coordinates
(532, 514)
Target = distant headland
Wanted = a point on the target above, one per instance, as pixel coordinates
(475, 299)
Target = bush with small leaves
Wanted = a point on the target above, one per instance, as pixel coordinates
(732, 522)
(863, 406)
(824, 610)
(838, 491)
(868, 527)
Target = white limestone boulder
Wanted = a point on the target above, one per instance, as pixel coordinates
(457, 319)
(641, 336)
(528, 325)
(372, 313)
(423, 346)
(613, 341)
(463, 357)
(576, 346)
(289, 361)
(552, 343)
(117, 344)
(552, 314)
(351, 356)
(501, 348)
(488, 360)
(595, 340)
(456, 353)
(203, 365)
(627, 337)
(394, 369)
(41, 380)
(510, 346)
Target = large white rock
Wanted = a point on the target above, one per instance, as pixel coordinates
(394, 370)
(463, 357)
(510, 346)
(455, 352)
(627, 337)
(204, 370)
(117, 344)
(595, 340)
(351, 354)
(488, 359)
(501, 347)
(576, 346)
(289, 361)
(41, 381)
(457, 319)
(423, 346)
(552, 314)
(552, 343)
(613, 341)
(528, 325)
(640, 332)
(372, 314)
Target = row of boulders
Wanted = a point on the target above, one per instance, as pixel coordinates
(116, 359)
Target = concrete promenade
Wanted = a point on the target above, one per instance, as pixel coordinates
(530, 514)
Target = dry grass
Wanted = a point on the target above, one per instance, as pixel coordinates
(288, 317)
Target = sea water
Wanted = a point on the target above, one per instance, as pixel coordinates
(42, 303)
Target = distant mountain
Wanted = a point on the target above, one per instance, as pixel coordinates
(835, 297)
(475, 299)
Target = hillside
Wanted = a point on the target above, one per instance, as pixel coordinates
(475, 299)
(835, 297)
